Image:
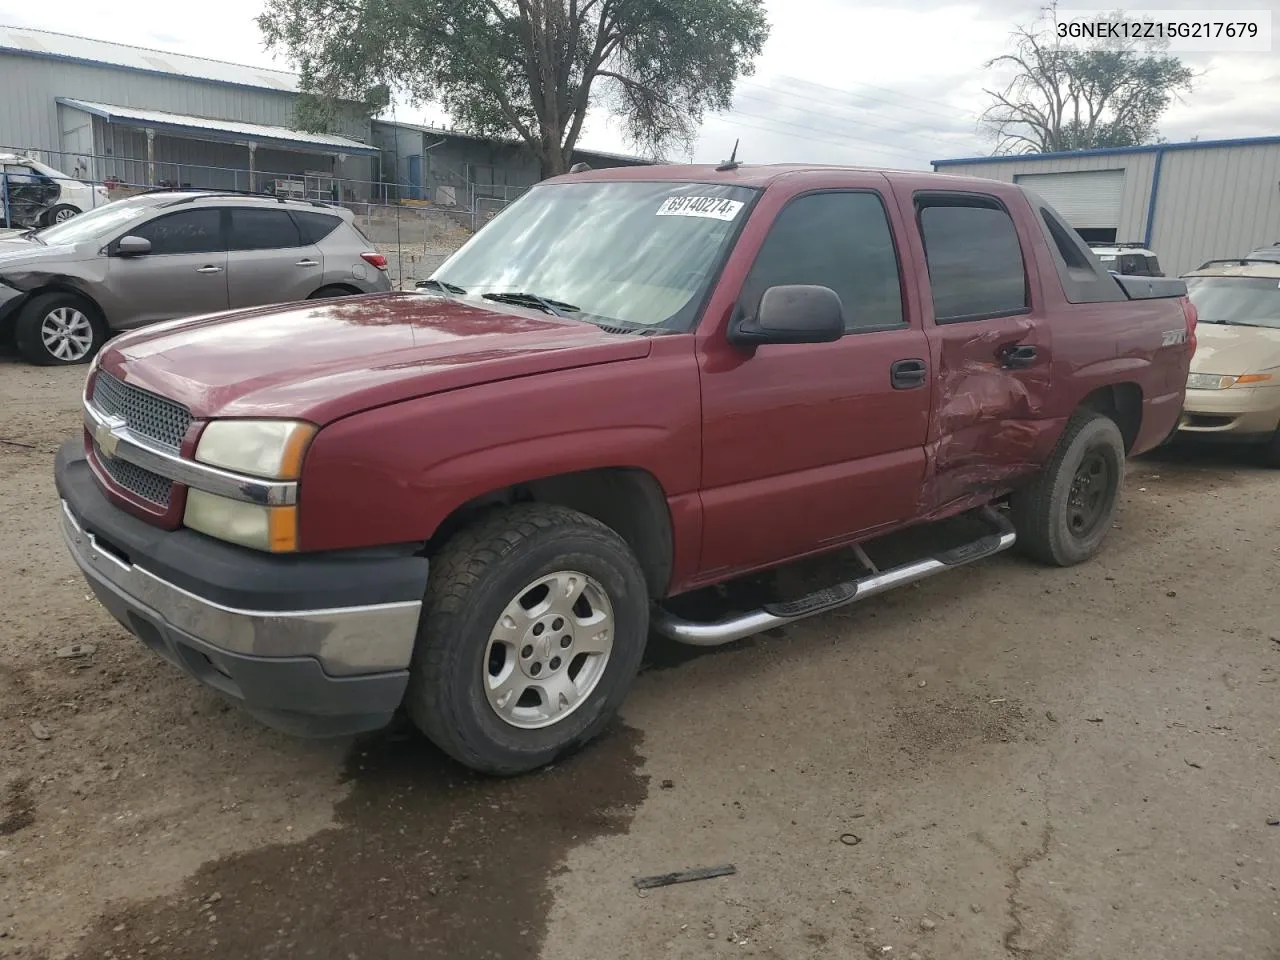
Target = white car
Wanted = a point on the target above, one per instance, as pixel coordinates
(34, 194)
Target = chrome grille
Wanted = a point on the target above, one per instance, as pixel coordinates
(146, 414)
(141, 483)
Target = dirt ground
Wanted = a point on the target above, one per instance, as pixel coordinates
(1004, 761)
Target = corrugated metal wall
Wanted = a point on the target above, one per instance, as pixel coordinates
(1137, 169)
(29, 115)
(1216, 202)
(1212, 202)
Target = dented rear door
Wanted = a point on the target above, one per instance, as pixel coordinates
(990, 343)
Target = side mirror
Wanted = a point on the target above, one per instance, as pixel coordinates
(797, 313)
(133, 247)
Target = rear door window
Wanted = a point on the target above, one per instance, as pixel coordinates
(976, 270)
(836, 240)
(315, 226)
(191, 231)
(253, 229)
(19, 175)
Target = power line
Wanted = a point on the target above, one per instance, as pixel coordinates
(844, 137)
(859, 121)
(827, 102)
(870, 86)
(731, 120)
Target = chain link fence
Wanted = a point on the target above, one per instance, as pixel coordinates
(38, 188)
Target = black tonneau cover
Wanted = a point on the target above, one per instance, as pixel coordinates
(1150, 288)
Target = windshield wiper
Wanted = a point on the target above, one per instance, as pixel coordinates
(439, 285)
(557, 308)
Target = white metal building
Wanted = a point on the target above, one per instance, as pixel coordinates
(113, 113)
(147, 117)
(1189, 202)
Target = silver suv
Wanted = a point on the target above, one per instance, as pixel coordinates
(163, 255)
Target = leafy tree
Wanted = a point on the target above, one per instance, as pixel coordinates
(1064, 97)
(529, 69)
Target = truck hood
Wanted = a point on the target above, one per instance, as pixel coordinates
(321, 360)
(1234, 350)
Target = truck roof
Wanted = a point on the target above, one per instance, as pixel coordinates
(763, 175)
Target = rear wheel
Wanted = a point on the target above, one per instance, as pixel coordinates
(1064, 514)
(59, 329)
(60, 213)
(328, 293)
(1271, 452)
(533, 628)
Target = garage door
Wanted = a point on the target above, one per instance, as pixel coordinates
(1088, 199)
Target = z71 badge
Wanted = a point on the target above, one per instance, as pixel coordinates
(1171, 338)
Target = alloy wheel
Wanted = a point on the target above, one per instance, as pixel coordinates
(548, 650)
(67, 334)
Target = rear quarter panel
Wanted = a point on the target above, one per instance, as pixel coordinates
(1097, 345)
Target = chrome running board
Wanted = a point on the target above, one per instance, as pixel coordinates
(773, 615)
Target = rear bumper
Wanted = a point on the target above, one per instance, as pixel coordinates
(313, 645)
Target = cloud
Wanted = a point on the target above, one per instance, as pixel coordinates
(840, 81)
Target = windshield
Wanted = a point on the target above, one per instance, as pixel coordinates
(636, 252)
(1248, 301)
(92, 225)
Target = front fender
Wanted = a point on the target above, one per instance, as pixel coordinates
(396, 473)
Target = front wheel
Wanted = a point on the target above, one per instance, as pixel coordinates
(533, 627)
(1064, 514)
(59, 329)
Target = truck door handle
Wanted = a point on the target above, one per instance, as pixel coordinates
(209, 269)
(307, 263)
(908, 374)
(1017, 356)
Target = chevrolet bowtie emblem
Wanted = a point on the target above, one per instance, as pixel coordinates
(105, 435)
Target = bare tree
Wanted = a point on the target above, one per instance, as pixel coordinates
(1063, 97)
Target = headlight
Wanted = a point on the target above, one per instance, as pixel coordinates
(1212, 381)
(260, 448)
(1208, 381)
(274, 529)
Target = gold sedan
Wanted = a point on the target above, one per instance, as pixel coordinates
(1233, 390)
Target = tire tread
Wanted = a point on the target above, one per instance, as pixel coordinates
(457, 570)
(26, 327)
(1031, 508)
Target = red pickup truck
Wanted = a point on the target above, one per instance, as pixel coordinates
(475, 500)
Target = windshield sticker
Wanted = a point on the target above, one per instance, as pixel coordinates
(709, 208)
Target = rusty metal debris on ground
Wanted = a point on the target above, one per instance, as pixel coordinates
(684, 876)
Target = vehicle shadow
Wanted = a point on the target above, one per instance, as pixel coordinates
(1230, 456)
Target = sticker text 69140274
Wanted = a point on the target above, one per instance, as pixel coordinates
(709, 208)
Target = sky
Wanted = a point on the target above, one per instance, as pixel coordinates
(840, 81)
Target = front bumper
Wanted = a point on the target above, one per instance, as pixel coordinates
(1235, 414)
(11, 300)
(313, 645)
